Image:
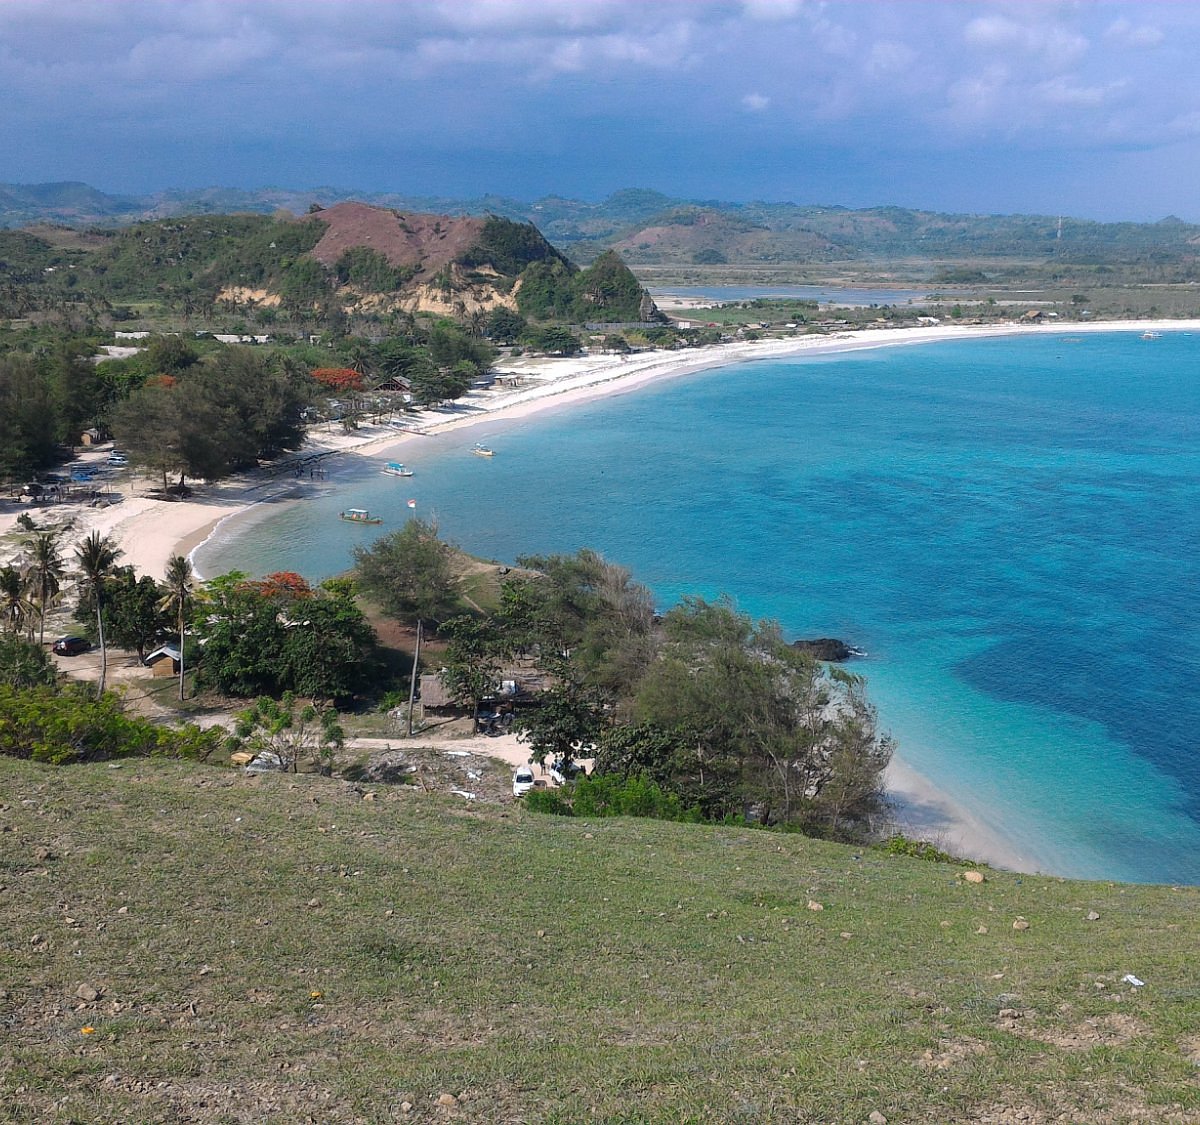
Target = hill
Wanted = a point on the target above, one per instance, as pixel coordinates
(359, 258)
(651, 228)
(188, 944)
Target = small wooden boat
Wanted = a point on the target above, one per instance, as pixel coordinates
(360, 515)
(397, 469)
(481, 450)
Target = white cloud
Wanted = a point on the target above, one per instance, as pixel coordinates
(1141, 35)
(1053, 42)
(755, 103)
(772, 10)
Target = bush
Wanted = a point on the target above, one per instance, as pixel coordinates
(63, 727)
(548, 801)
(919, 849)
(612, 795)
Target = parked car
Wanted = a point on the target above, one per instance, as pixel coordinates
(562, 772)
(523, 781)
(71, 646)
(118, 460)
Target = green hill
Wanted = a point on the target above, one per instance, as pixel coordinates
(368, 260)
(187, 944)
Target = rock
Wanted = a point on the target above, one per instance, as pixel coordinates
(981, 930)
(122, 909)
(1020, 924)
(314, 903)
(42, 853)
(406, 1107)
(828, 648)
(973, 877)
(876, 1118)
(814, 905)
(87, 992)
(448, 1100)
(1092, 916)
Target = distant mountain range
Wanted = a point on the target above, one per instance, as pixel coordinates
(649, 227)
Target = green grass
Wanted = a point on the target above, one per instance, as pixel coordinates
(550, 970)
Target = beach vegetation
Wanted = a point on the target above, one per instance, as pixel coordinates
(176, 599)
(24, 664)
(44, 574)
(409, 574)
(129, 612)
(267, 638)
(97, 558)
(290, 732)
(65, 724)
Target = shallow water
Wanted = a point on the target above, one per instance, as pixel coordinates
(1009, 526)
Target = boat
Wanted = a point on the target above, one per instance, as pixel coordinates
(397, 469)
(360, 515)
(1151, 335)
(481, 450)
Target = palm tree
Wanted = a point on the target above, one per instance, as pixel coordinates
(43, 575)
(97, 555)
(14, 608)
(178, 598)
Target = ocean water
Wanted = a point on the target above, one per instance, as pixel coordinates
(1008, 526)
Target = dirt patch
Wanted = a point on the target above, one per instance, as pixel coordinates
(457, 772)
(1191, 1049)
(426, 242)
(951, 1052)
(1111, 1030)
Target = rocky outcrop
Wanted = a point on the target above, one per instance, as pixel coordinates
(829, 649)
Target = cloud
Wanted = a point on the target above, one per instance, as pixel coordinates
(755, 103)
(1142, 35)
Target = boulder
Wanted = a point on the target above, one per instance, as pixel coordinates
(828, 649)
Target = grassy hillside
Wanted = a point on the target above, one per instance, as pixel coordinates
(284, 949)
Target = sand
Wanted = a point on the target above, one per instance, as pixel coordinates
(149, 531)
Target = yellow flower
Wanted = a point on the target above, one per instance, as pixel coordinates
(87, 1031)
(316, 995)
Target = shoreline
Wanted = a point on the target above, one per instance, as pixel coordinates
(149, 531)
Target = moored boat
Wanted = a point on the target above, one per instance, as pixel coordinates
(481, 450)
(359, 515)
(397, 469)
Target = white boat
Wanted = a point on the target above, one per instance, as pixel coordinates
(397, 469)
(1151, 335)
(481, 450)
(359, 515)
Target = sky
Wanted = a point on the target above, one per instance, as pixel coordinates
(1089, 109)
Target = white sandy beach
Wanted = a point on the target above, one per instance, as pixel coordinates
(149, 531)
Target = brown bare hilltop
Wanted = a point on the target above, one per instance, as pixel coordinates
(405, 239)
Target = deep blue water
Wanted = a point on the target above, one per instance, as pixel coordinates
(1009, 526)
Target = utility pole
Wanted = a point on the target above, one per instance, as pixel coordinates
(412, 684)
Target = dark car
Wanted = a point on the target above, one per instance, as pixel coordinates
(71, 646)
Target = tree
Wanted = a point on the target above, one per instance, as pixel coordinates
(409, 574)
(43, 574)
(15, 607)
(97, 555)
(177, 599)
(290, 731)
(757, 727)
(565, 724)
(132, 617)
(471, 662)
(505, 326)
(24, 664)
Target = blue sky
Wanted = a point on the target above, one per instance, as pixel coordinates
(1087, 108)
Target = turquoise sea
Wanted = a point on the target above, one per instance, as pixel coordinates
(1010, 527)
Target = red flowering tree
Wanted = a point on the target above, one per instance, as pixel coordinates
(339, 378)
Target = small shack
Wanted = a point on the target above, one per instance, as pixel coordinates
(90, 437)
(163, 661)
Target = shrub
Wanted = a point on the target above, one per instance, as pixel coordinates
(44, 724)
(900, 844)
(549, 801)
